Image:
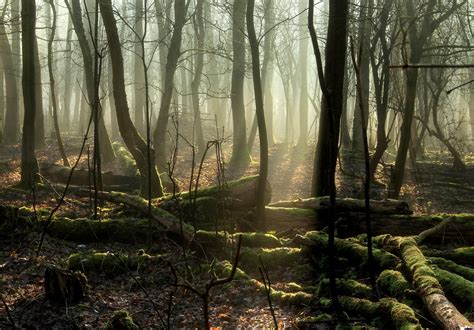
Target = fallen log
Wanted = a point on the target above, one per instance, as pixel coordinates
(235, 195)
(451, 266)
(462, 255)
(80, 177)
(459, 230)
(389, 206)
(424, 281)
(460, 289)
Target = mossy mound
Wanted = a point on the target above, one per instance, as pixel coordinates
(108, 263)
(345, 287)
(122, 320)
(394, 284)
(271, 258)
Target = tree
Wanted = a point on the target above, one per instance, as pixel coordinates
(260, 113)
(134, 142)
(10, 135)
(174, 52)
(29, 164)
(303, 80)
(418, 34)
(331, 109)
(267, 66)
(75, 12)
(40, 140)
(138, 90)
(200, 32)
(240, 153)
(52, 85)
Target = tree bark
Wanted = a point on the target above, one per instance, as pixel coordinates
(134, 142)
(139, 75)
(174, 52)
(29, 164)
(240, 153)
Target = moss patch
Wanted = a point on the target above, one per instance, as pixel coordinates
(122, 320)
(451, 266)
(456, 286)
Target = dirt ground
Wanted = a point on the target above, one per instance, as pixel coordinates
(431, 187)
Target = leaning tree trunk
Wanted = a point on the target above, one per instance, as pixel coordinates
(134, 142)
(139, 75)
(29, 164)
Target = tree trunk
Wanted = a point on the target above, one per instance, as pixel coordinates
(134, 142)
(260, 113)
(29, 164)
(195, 83)
(11, 92)
(138, 86)
(334, 79)
(160, 134)
(66, 114)
(52, 85)
(2, 103)
(240, 152)
(75, 12)
(303, 82)
(267, 67)
(39, 121)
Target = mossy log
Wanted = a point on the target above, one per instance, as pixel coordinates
(400, 315)
(298, 298)
(160, 216)
(424, 281)
(108, 263)
(457, 287)
(394, 284)
(271, 258)
(389, 206)
(64, 287)
(217, 240)
(354, 251)
(451, 266)
(238, 194)
(459, 230)
(462, 255)
(345, 287)
(80, 177)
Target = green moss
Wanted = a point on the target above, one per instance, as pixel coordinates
(456, 286)
(345, 287)
(402, 316)
(125, 159)
(462, 256)
(282, 256)
(107, 263)
(127, 230)
(299, 298)
(254, 239)
(121, 320)
(353, 251)
(393, 283)
(226, 267)
(466, 272)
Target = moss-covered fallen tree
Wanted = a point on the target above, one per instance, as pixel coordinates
(354, 251)
(109, 263)
(424, 281)
(462, 255)
(451, 266)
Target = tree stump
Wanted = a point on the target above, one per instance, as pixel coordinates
(64, 287)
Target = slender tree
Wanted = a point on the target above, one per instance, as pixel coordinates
(29, 164)
(240, 153)
(138, 90)
(260, 112)
(52, 84)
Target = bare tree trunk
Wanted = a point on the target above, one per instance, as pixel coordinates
(12, 107)
(240, 152)
(303, 73)
(52, 85)
(75, 12)
(134, 142)
(66, 115)
(39, 117)
(260, 113)
(138, 89)
(29, 164)
(2, 103)
(267, 67)
(174, 52)
(199, 63)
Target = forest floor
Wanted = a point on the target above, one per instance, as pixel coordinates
(431, 187)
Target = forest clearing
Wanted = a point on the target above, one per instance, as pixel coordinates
(236, 164)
